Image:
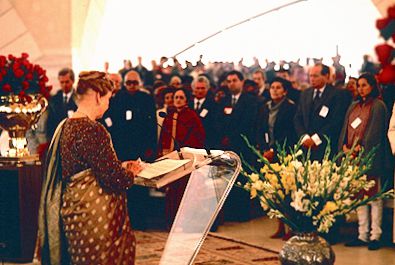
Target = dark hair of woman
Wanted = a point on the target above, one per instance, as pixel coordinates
(287, 85)
(166, 90)
(186, 93)
(372, 81)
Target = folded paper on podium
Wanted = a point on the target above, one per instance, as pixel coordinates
(171, 167)
(209, 184)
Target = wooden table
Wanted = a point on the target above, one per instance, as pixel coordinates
(20, 187)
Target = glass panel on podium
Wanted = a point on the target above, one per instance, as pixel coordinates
(205, 194)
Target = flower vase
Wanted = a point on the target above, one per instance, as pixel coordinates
(17, 116)
(307, 249)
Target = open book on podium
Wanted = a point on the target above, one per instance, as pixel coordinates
(173, 166)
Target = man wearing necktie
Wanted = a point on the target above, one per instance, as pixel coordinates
(236, 116)
(320, 112)
(263, 90)
(206, 108)
(62, 104)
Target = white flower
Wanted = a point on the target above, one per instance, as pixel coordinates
(298, 202)
(317, 190)
(275, 213)
(326, 222)
(298, 153)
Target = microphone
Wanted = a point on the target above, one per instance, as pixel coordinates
(176, 143)
(163, 114)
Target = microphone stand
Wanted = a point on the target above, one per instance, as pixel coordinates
(176, 143)
(164, 115)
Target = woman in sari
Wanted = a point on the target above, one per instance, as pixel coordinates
(183, 127)
(83, 216)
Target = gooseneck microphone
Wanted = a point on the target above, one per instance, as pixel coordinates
(176, 143)
(163, 114)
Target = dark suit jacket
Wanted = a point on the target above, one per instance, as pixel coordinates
(207, 114)
(293, 95)
(265, 94)
(262, 100)
(57, 111)
(240, 121)
(135, 137)
(283, 130)
(309, 121)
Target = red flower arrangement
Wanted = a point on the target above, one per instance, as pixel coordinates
(20, 77)
(386, 52)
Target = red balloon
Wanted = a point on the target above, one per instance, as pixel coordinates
(381, 23)
(391, 12)
(387, 74)
(384, 53)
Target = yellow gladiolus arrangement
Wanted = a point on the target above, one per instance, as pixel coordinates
(309, 195)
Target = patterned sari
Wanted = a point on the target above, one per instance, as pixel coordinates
(80, 222)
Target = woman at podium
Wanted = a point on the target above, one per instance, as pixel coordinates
(181, 127)
(83, 214)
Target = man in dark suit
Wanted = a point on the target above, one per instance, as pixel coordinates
(320, 112)
(62, 104)
(206, 108)
(236, 117)
(263, 90)
(237, 114)
(132, 122)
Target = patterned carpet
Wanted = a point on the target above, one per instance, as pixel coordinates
(216, 250)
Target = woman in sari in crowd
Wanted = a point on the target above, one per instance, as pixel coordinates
(83, 216)
(182, 127)
(366, 125)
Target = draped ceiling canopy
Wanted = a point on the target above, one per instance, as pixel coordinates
(85, 33)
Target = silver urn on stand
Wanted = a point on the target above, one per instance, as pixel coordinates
(307, 249)
(17, 117)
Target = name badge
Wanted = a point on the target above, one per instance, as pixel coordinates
(316, 139)
(70, 113)
(108, 122)
(324, 111)
(267, 138)
(203, 113)
(356, 123)
(228, 110)
(129, 115)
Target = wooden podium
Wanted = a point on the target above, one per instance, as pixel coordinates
(20, 187)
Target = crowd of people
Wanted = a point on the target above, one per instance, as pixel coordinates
(152, 113)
